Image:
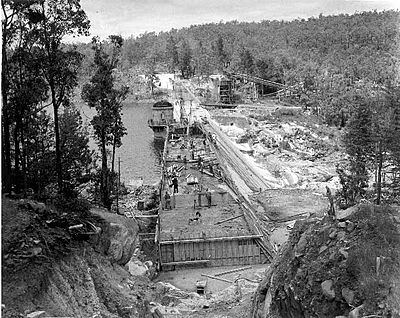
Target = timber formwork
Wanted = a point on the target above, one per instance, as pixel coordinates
(193, 231)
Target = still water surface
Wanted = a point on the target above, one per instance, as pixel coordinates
(140, 155)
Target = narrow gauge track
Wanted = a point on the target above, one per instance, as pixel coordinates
(237, 162)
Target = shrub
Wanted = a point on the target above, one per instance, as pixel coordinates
(378, 238)
(72, 205)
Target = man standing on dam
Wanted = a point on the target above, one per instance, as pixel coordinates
(208, 196)
(175, 184)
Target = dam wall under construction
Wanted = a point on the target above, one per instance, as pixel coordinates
(202, 221)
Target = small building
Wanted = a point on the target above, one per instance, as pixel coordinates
(222, 88)
(165, 80)
(162, 117)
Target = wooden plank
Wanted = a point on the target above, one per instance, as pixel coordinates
(233, 271)
(223, 252)
(163, 253)
(252, 251)
(241, 251)
(202, 261)
(175, 252)
(230, 253)
(224, 238)
(187, 251)
(247, 252)
(196, 250)
(229, 219)
(218, 278)
(219, 253)
(182, 252)
(226, 253)
(166, 253)
(214, 250)
(235, 253)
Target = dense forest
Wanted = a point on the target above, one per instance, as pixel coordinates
(347, 66)
(344, 44)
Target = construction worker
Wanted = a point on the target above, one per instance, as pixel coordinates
(331, 211)
(175, 184)
(167, 198)
(208, 196)
(198, 214)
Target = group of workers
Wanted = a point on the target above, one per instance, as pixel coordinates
(174, 181)
(167, 197)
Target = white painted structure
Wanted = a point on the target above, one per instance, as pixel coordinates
(165, 80)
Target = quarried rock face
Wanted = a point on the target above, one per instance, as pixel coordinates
(328, 268)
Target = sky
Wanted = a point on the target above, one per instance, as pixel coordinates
(135, 17)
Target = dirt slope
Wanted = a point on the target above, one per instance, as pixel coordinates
(66, 273)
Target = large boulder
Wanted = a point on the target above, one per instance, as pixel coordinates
(136, 267)
(327, 289)
(122, 243)
(343, 215)
(119, 238)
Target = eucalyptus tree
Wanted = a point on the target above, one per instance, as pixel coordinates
(22, 86)
(13, 21)
(101, 94)
(60, 19)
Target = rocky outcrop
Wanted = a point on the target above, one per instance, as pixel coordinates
(328, 268)
(119, 237)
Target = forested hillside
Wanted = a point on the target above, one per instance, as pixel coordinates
(357, 46)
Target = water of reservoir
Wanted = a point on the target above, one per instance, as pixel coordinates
(140, 155)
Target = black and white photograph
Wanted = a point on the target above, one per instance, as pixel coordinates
(200, 159)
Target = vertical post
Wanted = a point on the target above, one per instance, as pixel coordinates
(189, 117)
(119, 182)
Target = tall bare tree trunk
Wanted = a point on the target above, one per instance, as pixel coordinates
(6, 151)
(24, 160)
(379, 174)
(104, 187)
(6, 142)
(17, 152)
(113, 157)
(57, 137)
